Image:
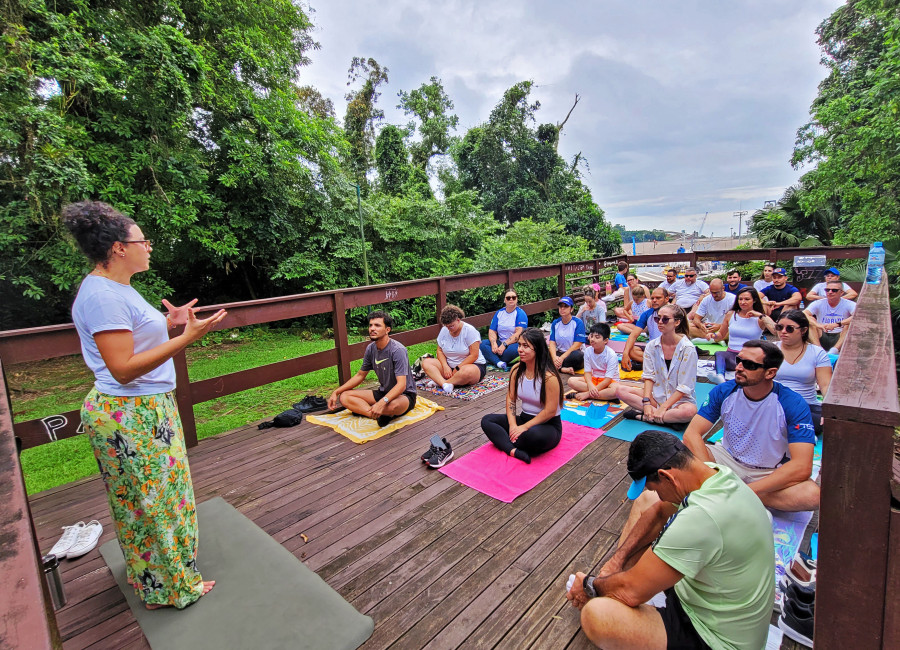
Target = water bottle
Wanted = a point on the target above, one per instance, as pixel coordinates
(608, 287)
(876, 264)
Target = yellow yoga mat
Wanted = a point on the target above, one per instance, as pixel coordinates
(361, 429)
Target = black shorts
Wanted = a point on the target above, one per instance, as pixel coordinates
(482, 370)
(410, 395)
(680, 632)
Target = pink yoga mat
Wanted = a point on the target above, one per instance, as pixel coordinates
(489, 470)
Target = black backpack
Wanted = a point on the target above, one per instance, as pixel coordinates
(289, 418)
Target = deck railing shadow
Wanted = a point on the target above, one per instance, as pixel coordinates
(860, 418)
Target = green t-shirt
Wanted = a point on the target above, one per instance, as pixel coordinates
(721, 541)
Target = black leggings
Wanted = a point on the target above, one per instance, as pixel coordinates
(575, 360)
(537, 440)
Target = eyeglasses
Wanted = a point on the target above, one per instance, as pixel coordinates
(833, 290)
(512, 297)
(146, 242)
(790, 329)
(664, 319)
(690, 275)
(749, 365)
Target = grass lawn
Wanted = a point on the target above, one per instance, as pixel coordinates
(58, 385)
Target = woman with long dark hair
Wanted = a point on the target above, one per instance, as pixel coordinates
(130, 415)
(805, 364)
(746, 321)
(535, 381)
(670, 373)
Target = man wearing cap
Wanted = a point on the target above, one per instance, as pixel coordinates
(832, 274)
(767, 433)
(829, 319)
(632, 353)
(567, 336)
(700, 536)
(689, 290)
(780, 296)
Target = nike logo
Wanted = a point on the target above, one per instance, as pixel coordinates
(377, 361)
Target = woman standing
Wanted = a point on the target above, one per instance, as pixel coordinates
(567, 335)
(745, 322)
(766, 279)
(670, 373)
(537, 383)
(130, 415)
(501, 345)
(804, 365)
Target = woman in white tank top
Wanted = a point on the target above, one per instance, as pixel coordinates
(745, 322)
(535, 382)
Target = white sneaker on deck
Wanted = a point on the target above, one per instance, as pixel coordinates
(70, 534)
(87, 539)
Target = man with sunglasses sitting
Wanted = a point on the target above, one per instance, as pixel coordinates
(689, 290)
(829, 319)
(768, 435)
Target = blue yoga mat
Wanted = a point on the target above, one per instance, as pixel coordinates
(628, 430)
(593, 416)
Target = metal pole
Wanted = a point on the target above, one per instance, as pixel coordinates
(362, 235)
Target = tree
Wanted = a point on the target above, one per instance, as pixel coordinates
(430, 105)
(311, 101)
(391, 160)
(788, 225)
(362, 115)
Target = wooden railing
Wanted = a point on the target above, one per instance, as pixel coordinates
(19, 346)
(859, 556)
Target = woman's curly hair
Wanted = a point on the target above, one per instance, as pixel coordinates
(96, 226)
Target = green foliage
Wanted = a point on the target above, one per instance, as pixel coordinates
(640, 235)
(362, 115)
(789, 225)
(430, 105)
(391, 160)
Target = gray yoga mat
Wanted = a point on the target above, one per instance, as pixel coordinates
(264, 597)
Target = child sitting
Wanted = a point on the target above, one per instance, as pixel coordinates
(601, 368)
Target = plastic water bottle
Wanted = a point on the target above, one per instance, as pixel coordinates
(608, 287)
(876, 264)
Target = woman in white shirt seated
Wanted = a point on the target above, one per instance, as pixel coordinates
(766, 279)
(459, 361)
(670, 374)
(591, 311)
(535, 382)
(804, 365)
(745, 322)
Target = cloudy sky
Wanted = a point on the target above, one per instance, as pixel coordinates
(686, 107)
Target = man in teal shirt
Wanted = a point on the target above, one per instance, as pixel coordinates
(712, 556)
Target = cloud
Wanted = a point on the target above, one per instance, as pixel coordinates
(685, 107)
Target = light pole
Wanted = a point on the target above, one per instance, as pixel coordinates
(740, 214)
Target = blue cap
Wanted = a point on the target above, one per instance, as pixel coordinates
(565, 300)
(636, 488)
(833, 270)
(779, 271)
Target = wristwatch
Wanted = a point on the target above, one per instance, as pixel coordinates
(386, 400)
(645, 400)
(588, 586)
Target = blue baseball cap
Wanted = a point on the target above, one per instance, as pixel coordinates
(779, 271)
(565, 300)
(643, 467)
(833, 270)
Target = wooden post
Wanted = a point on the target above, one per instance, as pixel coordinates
(441, 298)
(892, 592)
(561, 286)
(773, 256)
(339, 323)
(185, 400)
(595, 276)
(510, 284)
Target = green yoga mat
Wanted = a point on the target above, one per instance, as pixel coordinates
(264, 597)
(711, 348)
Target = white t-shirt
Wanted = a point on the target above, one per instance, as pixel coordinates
(605, 364)
(668, 286)
(506, 324)
(103, 305)
(819, 289)
(687, 294)
(826, 314)
(713, 311)
(800, 376)
(741, 330)
(759, 285)
(638, 308)
(456, 348)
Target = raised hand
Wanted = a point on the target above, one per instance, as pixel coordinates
(196, 328)
(178, 315)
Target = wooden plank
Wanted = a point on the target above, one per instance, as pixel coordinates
(184, 399)
(856, 496)
(891, 637)
(51, 428)
(339, 325)
(26, 613)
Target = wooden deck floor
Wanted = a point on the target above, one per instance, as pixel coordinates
(436, 564)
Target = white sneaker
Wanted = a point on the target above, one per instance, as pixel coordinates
(70, 534)
(430, 384)
(448, 388)
(86, 541)
(502, 365)
(834, 351)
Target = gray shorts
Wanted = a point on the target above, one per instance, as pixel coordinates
(748, 474)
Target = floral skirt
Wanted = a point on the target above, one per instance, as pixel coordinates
(139, 444)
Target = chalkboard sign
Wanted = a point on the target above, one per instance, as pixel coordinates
(810, 260)
(808, 270)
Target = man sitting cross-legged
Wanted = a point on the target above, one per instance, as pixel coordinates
(396, 393)
(767, 436)
(601, 368)
(712, 558)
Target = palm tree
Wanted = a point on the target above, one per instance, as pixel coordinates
(787, 225)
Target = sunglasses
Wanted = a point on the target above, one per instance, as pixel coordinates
(749, 365)
(664, 319)
(512, 297)
(690, 275)
(833, 290)
(790, 329)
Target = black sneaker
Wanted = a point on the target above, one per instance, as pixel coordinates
(311, 403)
(797, 622)
(436, 443)
(440, 457)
